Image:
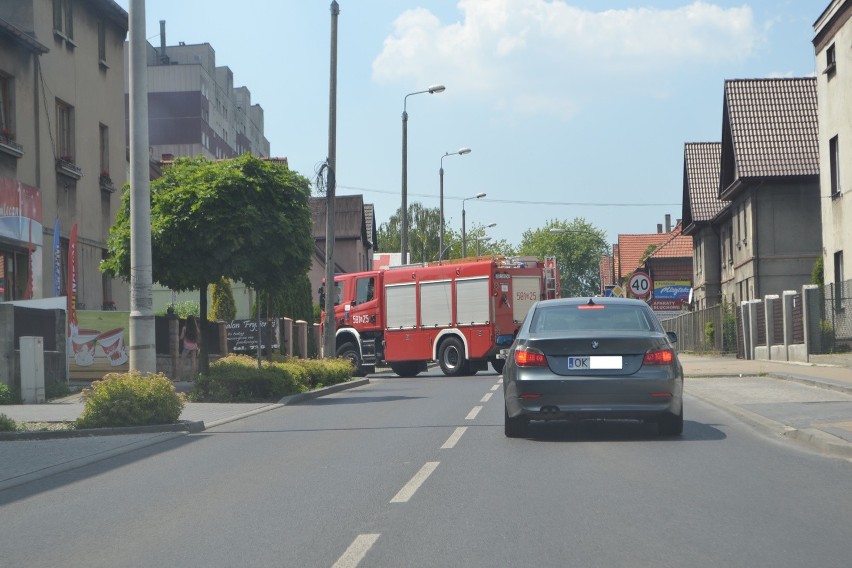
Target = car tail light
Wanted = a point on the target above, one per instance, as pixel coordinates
(529, 357)
(660, 357)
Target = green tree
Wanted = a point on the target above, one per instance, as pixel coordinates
(578, 248)
(424, 226)
(246, 219)
(222, 299)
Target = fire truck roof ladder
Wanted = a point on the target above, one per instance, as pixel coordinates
(551, 279)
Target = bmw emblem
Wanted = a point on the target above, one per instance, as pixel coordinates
(595, 344)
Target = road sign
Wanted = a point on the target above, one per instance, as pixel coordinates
(640, 285)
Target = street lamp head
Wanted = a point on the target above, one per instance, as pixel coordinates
(436, 89)
(557, 231)
(463, 151)
(480, 195)
(490, 225)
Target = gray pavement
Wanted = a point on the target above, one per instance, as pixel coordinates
(807, 403)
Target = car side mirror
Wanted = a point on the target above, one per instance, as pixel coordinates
(672, 336)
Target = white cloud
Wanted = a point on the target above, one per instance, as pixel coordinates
(545, 49)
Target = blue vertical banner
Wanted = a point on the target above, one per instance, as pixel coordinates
(57, 261)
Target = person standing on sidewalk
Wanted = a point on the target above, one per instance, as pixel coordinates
(189, 342)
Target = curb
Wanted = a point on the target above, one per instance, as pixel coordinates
(811, 437)
(187, 427)
(301, 397)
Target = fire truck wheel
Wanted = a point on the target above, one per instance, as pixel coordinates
(406, 369)
(350, 351)
(451, 357)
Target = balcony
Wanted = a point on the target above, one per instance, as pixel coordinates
(66, 166)
(106, 183)
(9, 146)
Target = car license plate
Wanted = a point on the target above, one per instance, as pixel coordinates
(596, 362)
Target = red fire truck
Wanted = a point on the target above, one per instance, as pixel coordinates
(459, 313)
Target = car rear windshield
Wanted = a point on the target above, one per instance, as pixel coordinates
(597, 317)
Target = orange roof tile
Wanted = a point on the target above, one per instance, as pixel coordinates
(677, 246)
(632, 247)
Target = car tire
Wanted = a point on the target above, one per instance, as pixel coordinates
(407, 369)
(671, 424)
(350, 351)
(451, 357)
(514, 427)
(498, 365)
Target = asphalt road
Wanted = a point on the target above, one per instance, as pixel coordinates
(417, 472)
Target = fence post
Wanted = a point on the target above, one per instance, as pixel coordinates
(300, 329)
(812, 314)
(287, 336)
(769, 302)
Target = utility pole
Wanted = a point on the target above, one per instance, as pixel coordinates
(142, 341)
(329, 350)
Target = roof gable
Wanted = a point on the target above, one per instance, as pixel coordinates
(769, 130)
(631, 248)
(701, 165)
(677, 246)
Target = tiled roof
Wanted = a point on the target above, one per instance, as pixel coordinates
(369, 219)
(348, 216)
(701, 164)
(605, 267)
(632, 247)
(769, 129)
(24, 39)
(677, 246)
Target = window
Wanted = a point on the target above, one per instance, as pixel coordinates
(64, 131)
(364, 290)
(838, 280)
(63, 20)
(101, 42)
(830, 59)
(834, 166)
(104, 149)
(6, 114)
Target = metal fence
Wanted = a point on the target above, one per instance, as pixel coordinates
(702, 330)
(836, 320)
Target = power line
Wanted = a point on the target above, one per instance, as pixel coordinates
(521, 201)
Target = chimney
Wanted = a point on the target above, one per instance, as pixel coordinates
(659, 228)
(164, 59)
(668, 222)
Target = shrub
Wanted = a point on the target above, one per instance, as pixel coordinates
(7, 424)
(6, 394)
(222, 305)
(130, 399)
(709, 333)
(238, 378)
(827, 332)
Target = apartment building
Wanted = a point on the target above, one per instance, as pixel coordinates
(194, 108)
(62, 147)
(833, 50)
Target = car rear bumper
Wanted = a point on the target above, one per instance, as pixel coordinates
(594, 399)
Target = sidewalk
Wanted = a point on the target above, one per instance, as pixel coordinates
(810, 403)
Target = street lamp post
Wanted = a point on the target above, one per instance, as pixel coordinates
(464, 235)
(461, 152)
(404, 212)
(479, 242)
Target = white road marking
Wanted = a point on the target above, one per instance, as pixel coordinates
(454, 438)
(472, 414)
(500, 381)
(412, 486)
(495, 387)
(487, 397)
(356, 551)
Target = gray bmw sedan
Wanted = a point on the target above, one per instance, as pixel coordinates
(593, 358)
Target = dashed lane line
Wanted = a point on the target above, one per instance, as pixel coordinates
(410, 488)
(454, 438)
(472, 414)
(487, 397)
(356, 551)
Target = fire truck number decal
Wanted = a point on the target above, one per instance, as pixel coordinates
(364, 319)
(530, 296)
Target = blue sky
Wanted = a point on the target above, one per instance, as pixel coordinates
(572, 108)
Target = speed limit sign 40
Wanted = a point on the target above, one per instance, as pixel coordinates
(640, 285)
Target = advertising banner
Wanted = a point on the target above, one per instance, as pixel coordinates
(20, 222)
(72, 282)
(98, 346)
(57, 261)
